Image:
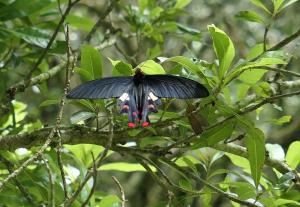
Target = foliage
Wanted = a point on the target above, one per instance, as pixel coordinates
(251, 75)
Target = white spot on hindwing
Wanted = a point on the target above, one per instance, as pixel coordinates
(152, 97)
(124, 97)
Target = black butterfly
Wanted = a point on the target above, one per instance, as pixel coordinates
(139, 94)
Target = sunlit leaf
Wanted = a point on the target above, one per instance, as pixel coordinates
(189, 65)
(124, 167)
(151, 67)
(91, 61)
(109, 201)
(292, 155)
(224, 49)
(180, 4)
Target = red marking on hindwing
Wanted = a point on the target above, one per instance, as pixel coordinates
(131, 124)
(145, 124)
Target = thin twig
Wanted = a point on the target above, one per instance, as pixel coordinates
(59, 146)
(99, 161)
(265, 36)
(47, 142)
(209, 185)
(123, 198)
(53, 37)
(51, 200)
(94, 182)
(23, 191)
(285, 41)
(101, 20)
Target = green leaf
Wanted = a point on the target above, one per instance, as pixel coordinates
(185, 184)
(287, 3)
(282, 120)
(215, 135)
(85, 104)
(109, 201)
(283, 202)
(124, 167)
(255, 51)
(276, 5)
(190, 164)
(91, 60)
(255, 144)
(121, 68)
(83, 73)
(268, 61)
(250, 16)
(81, 116)
(79, 22)
(180, 4)
(143, 4)
(189, 65)
(18, 9)
(250, 68)
(84, 152)
(292, 155)
(285, 180)
(259, 4)
(242, 90)
(187, 29)
(49, 102)
(151, 67)
(31, 35)
(244, 190)
(239, 161)
(224, 49)
(252, 76)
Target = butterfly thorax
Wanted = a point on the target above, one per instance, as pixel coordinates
(138, 77)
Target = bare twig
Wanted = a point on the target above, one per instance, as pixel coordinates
(51, 199)
(59, 146)
(101, 19)
(45, 51)
(94, 182)
(49, 139)
(99, 161)
(23, 191)
(285, 41)
(123, 198)
(209, 185)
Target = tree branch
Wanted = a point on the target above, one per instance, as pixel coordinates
(45, 51)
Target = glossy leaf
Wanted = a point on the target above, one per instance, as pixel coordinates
(151, 67)
(224, 49)
(255, 144)
(292, 155)
(189, 65)
(215, 135)
(91, 61)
